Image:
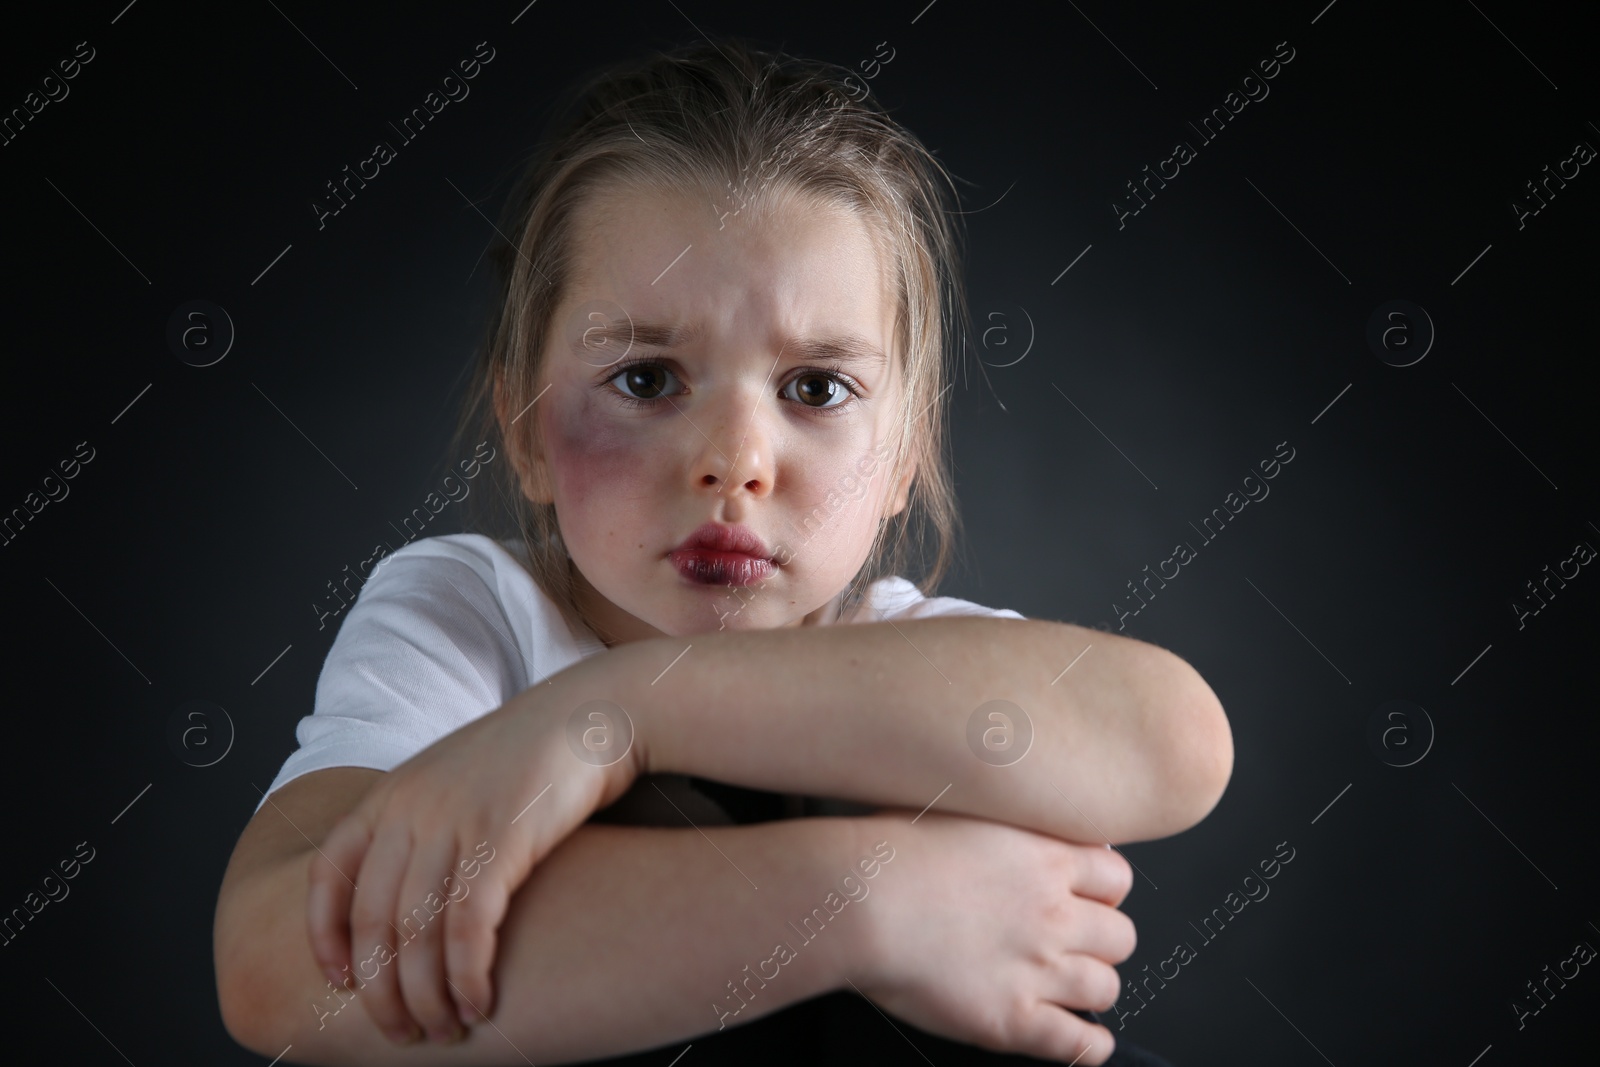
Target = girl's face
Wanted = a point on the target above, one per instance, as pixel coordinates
(702, 371)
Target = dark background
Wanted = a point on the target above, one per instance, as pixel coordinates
(1221, 320)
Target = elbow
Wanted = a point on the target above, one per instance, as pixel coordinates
(239, 1016)
(249, 996)
(269, 997)
(1217, 746)
(239, 1024)
(1199, 760)
(240, 996)
(253, 1016)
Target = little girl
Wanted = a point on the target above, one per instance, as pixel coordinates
(588, 790)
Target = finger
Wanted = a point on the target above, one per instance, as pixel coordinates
(331, 887)
(1050, 1032)
(474, 917)
(1103, 874)
(1079, 981)
(375, 938)
(1103, 932)
(420, 920)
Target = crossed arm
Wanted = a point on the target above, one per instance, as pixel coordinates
(1129, 744)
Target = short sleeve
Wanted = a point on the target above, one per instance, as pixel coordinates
(896, 598)
(425, 649)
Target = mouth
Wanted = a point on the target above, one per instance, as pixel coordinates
(716, 554)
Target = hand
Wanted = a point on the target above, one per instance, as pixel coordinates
(417, 877)
(984, 933)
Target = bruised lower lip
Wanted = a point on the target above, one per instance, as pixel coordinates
(721, 568)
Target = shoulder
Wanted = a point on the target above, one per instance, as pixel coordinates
(475, 579)
(472, 587)
(444, 595)
(452, 568)
(898, 598)
(431, 558)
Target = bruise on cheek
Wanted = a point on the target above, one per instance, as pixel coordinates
(591, 452)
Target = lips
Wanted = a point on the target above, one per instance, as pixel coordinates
(716, 554)
(715, 537)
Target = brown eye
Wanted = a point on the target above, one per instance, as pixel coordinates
(820, 390)
(646, 381)
(643, 381)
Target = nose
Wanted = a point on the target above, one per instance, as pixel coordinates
(735, 447)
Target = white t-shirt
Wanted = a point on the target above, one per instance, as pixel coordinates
(450, 628)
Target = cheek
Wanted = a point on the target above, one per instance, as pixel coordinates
(836, 505)
(594, 459)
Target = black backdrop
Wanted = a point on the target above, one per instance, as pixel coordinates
(1171, 351)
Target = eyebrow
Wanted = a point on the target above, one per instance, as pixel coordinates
(841, 348)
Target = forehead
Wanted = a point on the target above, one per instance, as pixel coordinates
(793, 267)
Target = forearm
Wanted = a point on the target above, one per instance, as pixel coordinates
(1128, 745)
(623, 938)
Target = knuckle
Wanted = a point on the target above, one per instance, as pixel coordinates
(324, 954)
(386, 1010)
(367, 942)
(1004, 1029)
(472, 906)
(1061, 858)
(465, 935)
(349, 830)
(337, 832)
(1112, 988)
(366, 913)
(1074, 1042)
(470, 981)
(1053, 907)
(472, 990)
(425, 999)
(424, 941)
(418, 927)
(1093, 984)
(1130, 936)
(1106, 1040)
(1095, 1045)
(434, 1015)
(1124, 871)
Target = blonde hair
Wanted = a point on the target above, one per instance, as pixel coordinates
(684, 120)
